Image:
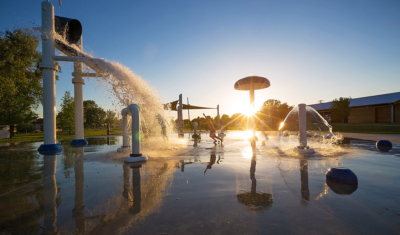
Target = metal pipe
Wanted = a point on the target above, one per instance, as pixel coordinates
(93, 75)
(48, 66)
(125, 137)
(80, 59)
(180, 117)
(78, 97)
(69, 58)
(76, 59)
(133, 110)
(136, 156)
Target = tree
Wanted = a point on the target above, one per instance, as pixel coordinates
(66, 116)
(340, 108)
(237, 119)
(110, 119)
(93, 114)
(20, 78)
(274, 112)
(225, 121)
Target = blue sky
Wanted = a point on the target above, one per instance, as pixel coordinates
(309, 50)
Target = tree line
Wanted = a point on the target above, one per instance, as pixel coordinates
(21, 90)
(94, 116)
(273, 113)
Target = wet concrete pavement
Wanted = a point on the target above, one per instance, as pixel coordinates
(204, 190)
(394, 138)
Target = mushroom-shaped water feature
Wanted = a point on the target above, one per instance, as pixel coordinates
(252, 83)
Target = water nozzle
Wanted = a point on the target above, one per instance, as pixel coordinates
(70, 29)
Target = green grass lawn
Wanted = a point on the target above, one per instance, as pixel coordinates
(372, 128)
(32, 137)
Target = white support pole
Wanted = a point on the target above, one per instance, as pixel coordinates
(125, 132)
(136, 156)
(134, 111)
(48, 66)
(49, 82)
(252, 99)
(218, 124)
(78, 96)
(180, 118)
(253, 125)
(302, 125)
(303, 147)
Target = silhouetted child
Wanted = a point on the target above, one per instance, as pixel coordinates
(212, 129)
(212, 161)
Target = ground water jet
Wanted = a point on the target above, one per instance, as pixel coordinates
(302, 125)
(303, 147)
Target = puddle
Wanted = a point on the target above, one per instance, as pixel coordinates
(197, 190)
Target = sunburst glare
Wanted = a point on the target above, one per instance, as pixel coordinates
(247, 152)
(247, 134)
(248, 111)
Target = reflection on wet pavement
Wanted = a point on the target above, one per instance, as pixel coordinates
(197, 190)
(255, 201)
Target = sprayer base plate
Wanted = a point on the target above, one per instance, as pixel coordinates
(79, 143)
(304, 151)
(124, 149)
(136, 159)
(50, 149)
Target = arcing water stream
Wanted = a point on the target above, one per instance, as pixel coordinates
(127, 87)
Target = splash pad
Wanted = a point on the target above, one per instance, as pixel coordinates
(65, 35)
(286, 194)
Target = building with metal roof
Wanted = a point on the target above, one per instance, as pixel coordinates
(383, 108)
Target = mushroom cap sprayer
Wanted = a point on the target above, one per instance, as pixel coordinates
(250, 84)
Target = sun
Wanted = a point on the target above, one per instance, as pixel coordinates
(247, 134)
(248, 110)
(243, 106)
